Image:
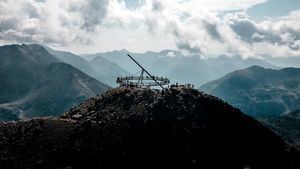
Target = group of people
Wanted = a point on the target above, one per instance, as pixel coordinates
(187, 85)
(135, 80)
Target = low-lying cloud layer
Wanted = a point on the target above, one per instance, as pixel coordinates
(205, 27)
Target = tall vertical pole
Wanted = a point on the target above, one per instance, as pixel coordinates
(141, 77)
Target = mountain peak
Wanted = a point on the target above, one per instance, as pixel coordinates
(34, 53)
(256, 67)
(32, 47)
(124, 51)
(35, 83)
(121, 51)
(130, 127)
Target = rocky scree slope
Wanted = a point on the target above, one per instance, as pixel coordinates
(134, 128)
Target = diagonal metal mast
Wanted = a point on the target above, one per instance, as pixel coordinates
(145, 71)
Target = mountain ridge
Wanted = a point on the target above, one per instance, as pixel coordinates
(258, 91)
(134, 128)
(31, 78)
(100, 69)
(182, 69)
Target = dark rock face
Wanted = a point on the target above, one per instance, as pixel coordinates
(134, 128)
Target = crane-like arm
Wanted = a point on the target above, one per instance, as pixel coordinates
(145, 71)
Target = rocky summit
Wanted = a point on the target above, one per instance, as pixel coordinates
(141, 128)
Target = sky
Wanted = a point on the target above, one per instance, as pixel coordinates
(249, 28)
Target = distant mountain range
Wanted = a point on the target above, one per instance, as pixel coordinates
(285, 61)
(179, 68)
(98, 68)
(36, 83)
(25, 69)
(258, 91)
(39, 81)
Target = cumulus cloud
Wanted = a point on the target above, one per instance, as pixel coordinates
(184, 45)
(194, 26)
(281, 33)
(91, 12)
(276, 32)
(50, 21)
(205, 32)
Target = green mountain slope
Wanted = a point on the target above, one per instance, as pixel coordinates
(34, 83)
(258, 91)
(287, 126)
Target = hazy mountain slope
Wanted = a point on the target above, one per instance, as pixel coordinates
(179, 68)
(287, 126)
(20, 65)
(200, 71)
(68, 87)
(111, 70)
(133, 128)
(120, 58)
(285, 61)
(258, 91)
(73, 60)
(33, 83)
(99, 68)
(88, 57)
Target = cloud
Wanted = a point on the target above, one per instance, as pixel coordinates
(282, 33)
(50, 21)
(157, 6)
(208, 34)
(206, 27)
(184, 45)
(212, 30)
(217, 5)
(91, 12)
